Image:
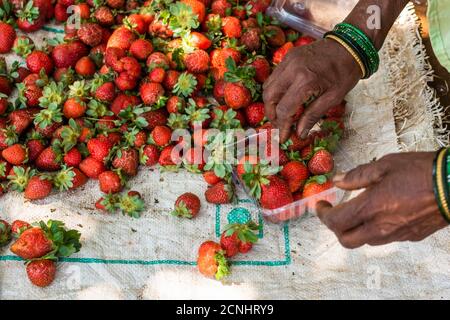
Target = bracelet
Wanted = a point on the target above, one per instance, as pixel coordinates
(351, 51)
(439, 171)
(360, 44)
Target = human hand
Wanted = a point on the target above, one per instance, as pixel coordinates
(324, 70)
(397, 205)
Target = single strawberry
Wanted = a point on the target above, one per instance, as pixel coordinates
(316, 185)
(48, 160)
(141, 49)
(198, 8)
(275, 193)
(104, 16)
(221, 7)
(238, 237)
(237, 95)
(85, 67)
(72, 158)
(171, 79)
(251, 39)
(199, 40)
(90, 34)
(151, 92)
(295, 173)
(186, 206)
(157, 75)
(74, 108)
(30, 18)
(20, 119)
(161, 135)
(303, 41)
(231, 27)
(123, 101)
(127, 160)
(211, 261)
(154, 118)
(16, 154)
(7, 37)
(275, 36)
(19, 226)
(262, 69)
(92, 167)
(99, 148)
(166, 159)
(39, 187)
(149, 155)
(121, 38)
(175, 104)
(254, 114)
(66, 55)
(110, 182)
(5, 233)
(220, 193)
(321, 162)
(38, 60)
(106, 92)
(211, 178)
(42, 272)
(281, 52)
(32, 243)
(197, 61)
(61, 14)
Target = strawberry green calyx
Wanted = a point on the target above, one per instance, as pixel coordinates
(110, 202)
(131, 205)
(186, 85)
(244, 75)
(10, 135)
(182, 211)
(218, 154)
(256, 175)
(182, 19)
(3, 169)
(97, 109)
(223, 267)
(79, 89)
(5, 233)
(225, 120)
(70, 135)
(23, 47)
(19, 180)
(133, 116)
(52, 93)
(321, 179)
(63, 180)
(6, 12)
(65, 242)
(245, 232)
(47, 117)
(177, 121)
(196, 114)
(130, 136)
(29, 12)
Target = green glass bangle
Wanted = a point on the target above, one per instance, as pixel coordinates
(445, 172)
(435, 188)
(361, 40)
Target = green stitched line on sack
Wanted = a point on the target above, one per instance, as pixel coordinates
(50, 29)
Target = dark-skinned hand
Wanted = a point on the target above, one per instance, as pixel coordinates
(323, 70)
(398, 203)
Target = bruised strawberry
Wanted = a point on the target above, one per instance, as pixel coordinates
(42, 272)
(90, 34)
(262, 69)
(197, 61)
(127, 160)
(211, 261)
(186, 206)
(32, 243)
(19, 226)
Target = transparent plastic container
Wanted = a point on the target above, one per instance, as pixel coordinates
(312, 17)
(294, 210)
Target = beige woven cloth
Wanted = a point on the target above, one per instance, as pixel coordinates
(154, 257)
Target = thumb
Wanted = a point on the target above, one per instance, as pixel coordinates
(314, 112)
(362, 176)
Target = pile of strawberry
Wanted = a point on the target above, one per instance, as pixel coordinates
(107, 98)
(41, 245)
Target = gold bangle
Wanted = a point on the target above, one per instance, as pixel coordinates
(351, 51)
(440, 186)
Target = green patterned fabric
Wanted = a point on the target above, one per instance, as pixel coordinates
(439, 19)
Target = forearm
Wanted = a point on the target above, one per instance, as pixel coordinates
(389, 11)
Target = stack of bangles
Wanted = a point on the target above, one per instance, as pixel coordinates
(358, 44)
(441, 182)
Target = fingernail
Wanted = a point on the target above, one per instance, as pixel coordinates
(304, 134)
(338, 177)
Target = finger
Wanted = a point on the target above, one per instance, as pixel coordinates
(313, 113)
(362, 176)
(274, 89)
(347, 215)
(359, 236)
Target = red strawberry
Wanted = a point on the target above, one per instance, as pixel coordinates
(48, 160)
(141, 49)
(211, 178)
(150, 155)
(254, 114)
(281, 52)
(128, 161)
(304, 40)
(151, 92)
(336, 111)
(85, 67)
(61, 14)
(79, 179)
(157, 75)
(122, 101)
(35, 147)
(38, 188)
(136, 22)
(110, 182)
(199, 40)
(171, 79)
(74, 108)
(72, 158)
(275, 36)
(257, 6)
(315, 186)
(154, 118)
(90, 34)
(16, 154)
(197, 61)
(175, 104)
(166, 158)
(231, 27)
(33, 243)
(198, 8)
(106, 92)
(92, 167)
(41, 272)
(66, 55)
(7, 37)
(116, 4)
(104, 16)
(99, 148)
(251, 39)
(238, 238)
(262, 69)
(161, 135)
(275, 194)
(211, 261)
(186, 206)
(121, 38)
(237, 95)
(296, 144)
(19, 226)
(20, 119)
(38, 60)
(321, 162)
(220, 193)
(221, 7)
(295, 173)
